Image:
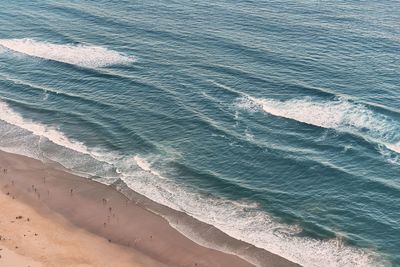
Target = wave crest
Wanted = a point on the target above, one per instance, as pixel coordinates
(81, 55)
(340, 114)
(11, 117)
(250, 223)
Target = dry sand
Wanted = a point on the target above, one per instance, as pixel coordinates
(74, 221)
(31, 239)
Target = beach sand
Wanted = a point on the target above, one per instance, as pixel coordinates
(29, 238)
(50, 217)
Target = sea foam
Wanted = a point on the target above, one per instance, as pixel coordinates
(76, 54)
(54, 135)
(340, 114)
(241, 220)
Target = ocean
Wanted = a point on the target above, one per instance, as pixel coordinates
(278, 122)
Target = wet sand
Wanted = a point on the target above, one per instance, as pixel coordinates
(80, 222)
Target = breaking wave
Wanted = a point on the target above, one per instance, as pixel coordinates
(54, 135)
(76, 54)
(241, 220)
(341, 115)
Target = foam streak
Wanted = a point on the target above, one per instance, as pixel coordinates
(341, 115)
(81, 55)
(11, 117)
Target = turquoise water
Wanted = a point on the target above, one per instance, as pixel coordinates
(276, 121)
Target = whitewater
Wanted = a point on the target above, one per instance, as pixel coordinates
(82, 55)
(340, 114)
(276, 122)
(250, 224)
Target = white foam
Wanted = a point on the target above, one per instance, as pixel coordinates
(241, 220)
(341, 115)
(393, 147)
(81, 55)
(244, 221)
(144, 165)
(10, 116)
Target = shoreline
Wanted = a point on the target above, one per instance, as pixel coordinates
(125, 218)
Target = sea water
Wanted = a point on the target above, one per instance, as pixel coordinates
(278, 122)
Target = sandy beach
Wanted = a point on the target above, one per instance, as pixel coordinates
(53, 218)
(29, 238)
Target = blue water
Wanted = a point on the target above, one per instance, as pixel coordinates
(276, 121)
